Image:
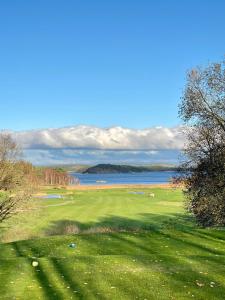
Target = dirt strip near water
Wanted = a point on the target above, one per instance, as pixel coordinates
(119, 186)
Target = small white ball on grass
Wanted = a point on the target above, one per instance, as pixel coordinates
(34, 263)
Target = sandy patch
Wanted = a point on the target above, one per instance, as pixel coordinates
(40, 194)
(119, 186)
(170, 203)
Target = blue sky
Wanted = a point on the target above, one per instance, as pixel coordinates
(102, 63)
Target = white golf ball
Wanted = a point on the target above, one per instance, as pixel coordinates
(34, 263)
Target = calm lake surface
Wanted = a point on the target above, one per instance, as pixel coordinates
(127, 178)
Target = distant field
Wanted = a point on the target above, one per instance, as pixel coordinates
(128, 246)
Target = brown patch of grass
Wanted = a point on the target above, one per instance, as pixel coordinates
(64, 228)
(17, 234)
(69, 228)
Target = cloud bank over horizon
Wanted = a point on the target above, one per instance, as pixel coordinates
(113, 138)
(90, 144)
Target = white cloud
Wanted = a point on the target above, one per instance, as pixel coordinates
(113, 138)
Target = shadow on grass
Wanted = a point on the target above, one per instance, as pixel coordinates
(42, 277)
(179, 228)
(182, 258)
(111, 223)
(172, 273)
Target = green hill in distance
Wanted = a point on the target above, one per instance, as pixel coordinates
(114, 168)
(110, 168)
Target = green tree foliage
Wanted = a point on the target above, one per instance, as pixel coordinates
(203, 110)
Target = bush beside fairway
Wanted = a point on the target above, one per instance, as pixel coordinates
(128, 246)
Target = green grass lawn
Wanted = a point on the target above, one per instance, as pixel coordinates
(128, 246)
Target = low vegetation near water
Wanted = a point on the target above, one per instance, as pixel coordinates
(128, 245)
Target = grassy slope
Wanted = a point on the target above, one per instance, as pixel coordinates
(166, 257)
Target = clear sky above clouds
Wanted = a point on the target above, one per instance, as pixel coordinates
(102, 63)
(115, 64)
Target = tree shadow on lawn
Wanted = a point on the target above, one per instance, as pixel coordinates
(71, 283)
(179, 229)
(172, 274)
(182, 258)
(43, 278)
(111, 223)
(43, 274)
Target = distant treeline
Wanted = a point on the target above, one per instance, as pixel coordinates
(55, 176)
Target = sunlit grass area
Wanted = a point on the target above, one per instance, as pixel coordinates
(128, 245)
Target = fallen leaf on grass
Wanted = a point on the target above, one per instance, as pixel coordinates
(200, 284)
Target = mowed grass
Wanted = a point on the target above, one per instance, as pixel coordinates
(128, 246)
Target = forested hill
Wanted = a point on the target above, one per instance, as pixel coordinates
(109, 168)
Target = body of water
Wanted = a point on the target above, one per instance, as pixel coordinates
(153, 177)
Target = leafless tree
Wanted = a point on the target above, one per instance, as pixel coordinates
(17, 178)
(56, 176)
